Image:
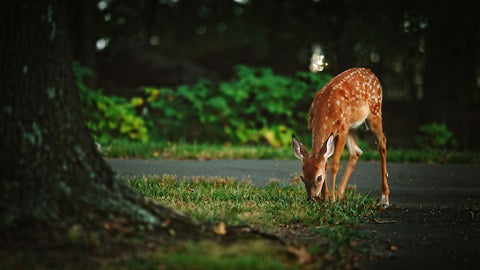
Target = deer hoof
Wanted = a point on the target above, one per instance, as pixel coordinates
(384, 202)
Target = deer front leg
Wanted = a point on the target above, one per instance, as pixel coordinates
(325, 185)
(336, 162)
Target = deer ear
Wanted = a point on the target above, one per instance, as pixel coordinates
(330, 147)
(298, 148)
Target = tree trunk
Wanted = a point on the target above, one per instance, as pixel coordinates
(51, 170)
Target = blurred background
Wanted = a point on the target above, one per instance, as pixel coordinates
(245, 71)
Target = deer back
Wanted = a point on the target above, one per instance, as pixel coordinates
(343, 103)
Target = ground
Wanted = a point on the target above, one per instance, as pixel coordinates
(434, 219)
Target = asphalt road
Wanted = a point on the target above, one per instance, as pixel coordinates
(434, 220)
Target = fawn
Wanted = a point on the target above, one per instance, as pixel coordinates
(342, 105)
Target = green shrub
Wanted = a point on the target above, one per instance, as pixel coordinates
(256, 106)
(435, 135)
(108, 116)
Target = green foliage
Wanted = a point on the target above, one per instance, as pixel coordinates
(109, 116)
(257, 106)
(435, 135)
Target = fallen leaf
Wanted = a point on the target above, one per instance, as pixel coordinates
(220, 228)
(167, 222)
(393, 248)
(301, 253)
(107, 226)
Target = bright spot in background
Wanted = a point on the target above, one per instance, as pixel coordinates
(374, 57)
(406, 26)
(317, 61)
(154, 40)
(101, 44)
(243, 2)
(102, 4)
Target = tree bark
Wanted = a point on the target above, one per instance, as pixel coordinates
(51, 170)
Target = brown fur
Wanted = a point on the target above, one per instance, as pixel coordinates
(344, 103)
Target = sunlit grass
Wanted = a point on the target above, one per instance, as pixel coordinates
(167, 150)
(199, 151)
(223, 199)
(274, 209)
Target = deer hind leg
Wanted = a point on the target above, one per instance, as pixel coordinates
(375, 123)
(336, 161)
(354, 153)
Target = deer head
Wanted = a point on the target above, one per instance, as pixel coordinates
(313, 166)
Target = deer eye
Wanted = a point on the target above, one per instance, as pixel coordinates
(319, 178)
(303, 180)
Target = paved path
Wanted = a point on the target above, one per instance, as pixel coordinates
(434, 221)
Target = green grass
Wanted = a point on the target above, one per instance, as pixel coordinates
(242, 203)
(254, 254)
(167, 150)
(329, 231)
(197, 151)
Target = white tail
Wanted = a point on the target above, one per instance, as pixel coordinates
(343, 104)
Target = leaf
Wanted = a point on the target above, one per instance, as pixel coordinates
(269, 135)
(125, 128)
(153, 94)
(136, 101)
(393, 248)
(220, 228)
(301, 253)
(101, 105)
